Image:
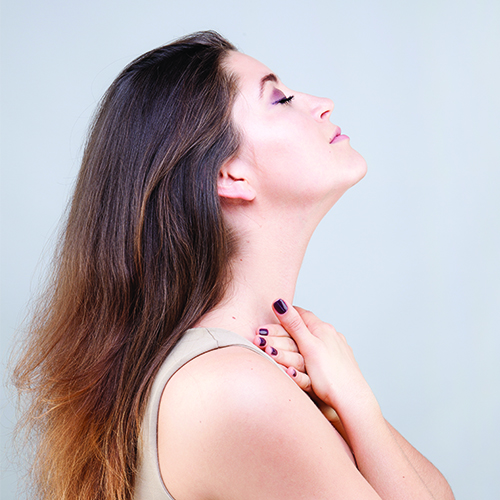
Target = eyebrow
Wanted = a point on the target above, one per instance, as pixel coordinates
(271, 77)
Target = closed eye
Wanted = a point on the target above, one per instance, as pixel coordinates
(284, 100)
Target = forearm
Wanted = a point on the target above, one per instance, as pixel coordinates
(430, 475)
(379, 456)
(391, 466)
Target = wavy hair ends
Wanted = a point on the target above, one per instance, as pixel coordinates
(143, 255)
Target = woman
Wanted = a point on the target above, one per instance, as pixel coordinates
(202, 181)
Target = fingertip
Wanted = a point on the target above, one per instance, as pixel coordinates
(259, 342)
(271, 350)
(280, 306)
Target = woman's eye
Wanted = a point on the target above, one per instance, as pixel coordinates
(284, 100)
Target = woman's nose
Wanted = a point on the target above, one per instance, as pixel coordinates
(322, 108)
(326, 108)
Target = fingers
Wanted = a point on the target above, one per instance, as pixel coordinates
(275, 341)
(276, 338)
(300, 378)
(324, 363)
(286, 358)
(282, 350)
(292, 321)
(273, 330)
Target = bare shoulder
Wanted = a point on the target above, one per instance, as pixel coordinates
(233, 425)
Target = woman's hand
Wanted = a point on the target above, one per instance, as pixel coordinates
(323, 354)
(276, 341)
(389, 463)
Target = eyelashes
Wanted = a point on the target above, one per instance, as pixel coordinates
(284, 100)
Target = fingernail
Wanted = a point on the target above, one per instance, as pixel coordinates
(262, 342)
(280, 307)
(263, 331)
(294, 372)
(273, 351)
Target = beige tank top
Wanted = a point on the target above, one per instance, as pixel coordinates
(149, 484)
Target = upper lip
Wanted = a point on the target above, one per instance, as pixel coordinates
(336, 133)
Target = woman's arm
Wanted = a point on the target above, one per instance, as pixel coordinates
(377, 446)
(433, 479)
(233, 426)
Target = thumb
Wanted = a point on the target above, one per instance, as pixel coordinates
(292, 322)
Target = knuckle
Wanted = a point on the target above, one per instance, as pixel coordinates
(278, 331)
(295, 323)
(301, 365)
(306, 384)
(329, 328)
(326, 330)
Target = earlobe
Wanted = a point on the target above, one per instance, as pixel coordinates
(232, 184)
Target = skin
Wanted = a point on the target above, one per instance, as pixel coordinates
(229, 418)
(331, 363)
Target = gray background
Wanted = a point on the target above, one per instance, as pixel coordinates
(406, 265)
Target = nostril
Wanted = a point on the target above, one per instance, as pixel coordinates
(326, 114)
(326, 108)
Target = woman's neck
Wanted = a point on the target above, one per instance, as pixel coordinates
(265, 269)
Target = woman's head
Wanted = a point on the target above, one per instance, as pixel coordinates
(288, 156)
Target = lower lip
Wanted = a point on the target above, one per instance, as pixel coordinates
(339, 138)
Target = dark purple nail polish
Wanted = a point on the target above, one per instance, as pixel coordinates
(263, 331)
(280, 307)
(273, 351)
(294, 372)
(262, 342)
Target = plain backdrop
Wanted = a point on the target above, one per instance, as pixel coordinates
(406, 265)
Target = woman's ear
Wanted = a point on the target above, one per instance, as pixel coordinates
(233, 183)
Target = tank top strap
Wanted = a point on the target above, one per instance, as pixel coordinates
(196, 341)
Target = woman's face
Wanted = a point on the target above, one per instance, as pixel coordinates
(295, 153)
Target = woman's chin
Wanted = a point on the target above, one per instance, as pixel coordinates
(363, 168)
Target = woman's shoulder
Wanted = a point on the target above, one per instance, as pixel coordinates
(233, 375)
(220, 386)
(234, 421)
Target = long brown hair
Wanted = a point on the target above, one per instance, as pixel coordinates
(143, 255)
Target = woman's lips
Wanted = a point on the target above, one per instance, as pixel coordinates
(339, 137)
